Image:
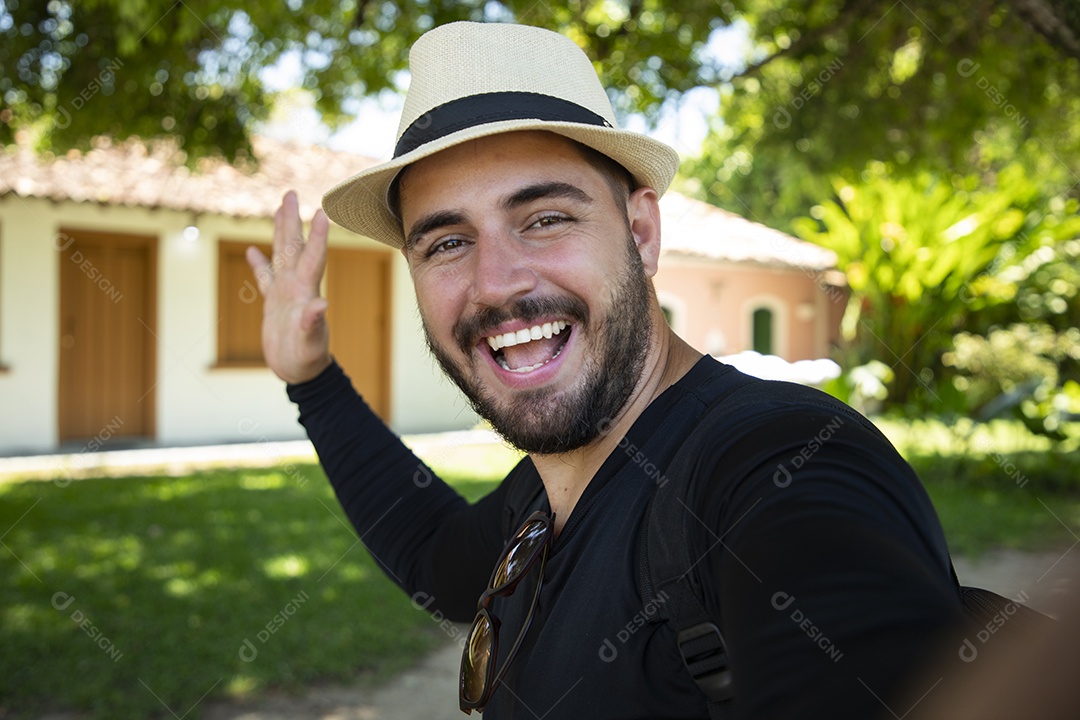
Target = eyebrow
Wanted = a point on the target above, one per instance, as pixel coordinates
(539, 191)
(431, 222)
(523, 196)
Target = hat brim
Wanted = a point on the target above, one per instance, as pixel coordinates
(361, 203)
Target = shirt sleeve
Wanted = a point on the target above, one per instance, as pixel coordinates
(835, 586)
(424, 535)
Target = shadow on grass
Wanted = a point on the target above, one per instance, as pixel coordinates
(138, 597)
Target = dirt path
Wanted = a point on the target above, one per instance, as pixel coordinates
(429, 692)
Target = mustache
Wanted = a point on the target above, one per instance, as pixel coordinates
(468, 331)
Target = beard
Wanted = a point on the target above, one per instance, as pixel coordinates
(545, 421)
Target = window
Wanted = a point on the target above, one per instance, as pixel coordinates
(763, 331)
(674, 309)
(239, 308)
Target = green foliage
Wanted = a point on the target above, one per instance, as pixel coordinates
(1023, 356)
(1018, 370)
(944, 87)
(176, 574)
(995, 485)
(1047, 282)
(864, 387)
(70, 71)
(823, 87)
(913, 250)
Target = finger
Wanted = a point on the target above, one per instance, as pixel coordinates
(279, 233)
(260, 266)
(314, 313)
(314, 258)
(292, 232)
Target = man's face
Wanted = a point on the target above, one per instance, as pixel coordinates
(532, 292)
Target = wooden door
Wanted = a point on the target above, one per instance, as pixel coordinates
(107, 336)
(358, 290)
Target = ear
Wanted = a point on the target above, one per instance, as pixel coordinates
(643, 212)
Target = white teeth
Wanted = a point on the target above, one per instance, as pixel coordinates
(530, 368)
(547, 330)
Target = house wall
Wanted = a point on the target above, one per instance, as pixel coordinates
(195, 402)
(718, 299)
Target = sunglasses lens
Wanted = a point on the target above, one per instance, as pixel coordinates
(519, 553)
(474, 666)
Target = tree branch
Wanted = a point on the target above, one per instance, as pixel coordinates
(1046, 18)
(851, 11)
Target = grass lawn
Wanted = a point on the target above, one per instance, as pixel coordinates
(135, 597)
(999, 487)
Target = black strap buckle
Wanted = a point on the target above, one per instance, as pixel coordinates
(705, 656)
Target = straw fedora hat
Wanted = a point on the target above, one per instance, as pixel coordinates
(470, 80)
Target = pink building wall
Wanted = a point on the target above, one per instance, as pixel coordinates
(712, 303)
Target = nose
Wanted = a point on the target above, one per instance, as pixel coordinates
(501, 270)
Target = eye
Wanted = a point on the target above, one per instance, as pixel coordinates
(443, 246)
(550, 220)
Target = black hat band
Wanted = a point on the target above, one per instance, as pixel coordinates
(487, 108)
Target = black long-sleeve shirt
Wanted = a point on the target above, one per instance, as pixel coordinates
(819, 551)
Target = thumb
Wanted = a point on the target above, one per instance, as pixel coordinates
(314, 314)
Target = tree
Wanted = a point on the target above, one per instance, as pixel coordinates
(192, 69)
(948, 87)
(848, 80)
(924, 256)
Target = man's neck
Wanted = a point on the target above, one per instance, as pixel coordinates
(566, 475)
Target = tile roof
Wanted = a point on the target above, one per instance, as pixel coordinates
(692, 228)
(155, 176)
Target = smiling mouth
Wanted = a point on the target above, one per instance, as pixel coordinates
(529, 348)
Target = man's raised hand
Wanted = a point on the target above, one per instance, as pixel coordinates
(295, 339)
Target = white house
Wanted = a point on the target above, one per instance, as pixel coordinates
(128, 315)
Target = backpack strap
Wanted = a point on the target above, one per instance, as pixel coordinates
(664, 560)
(665, 568)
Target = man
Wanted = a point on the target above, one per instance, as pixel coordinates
(531, 228)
